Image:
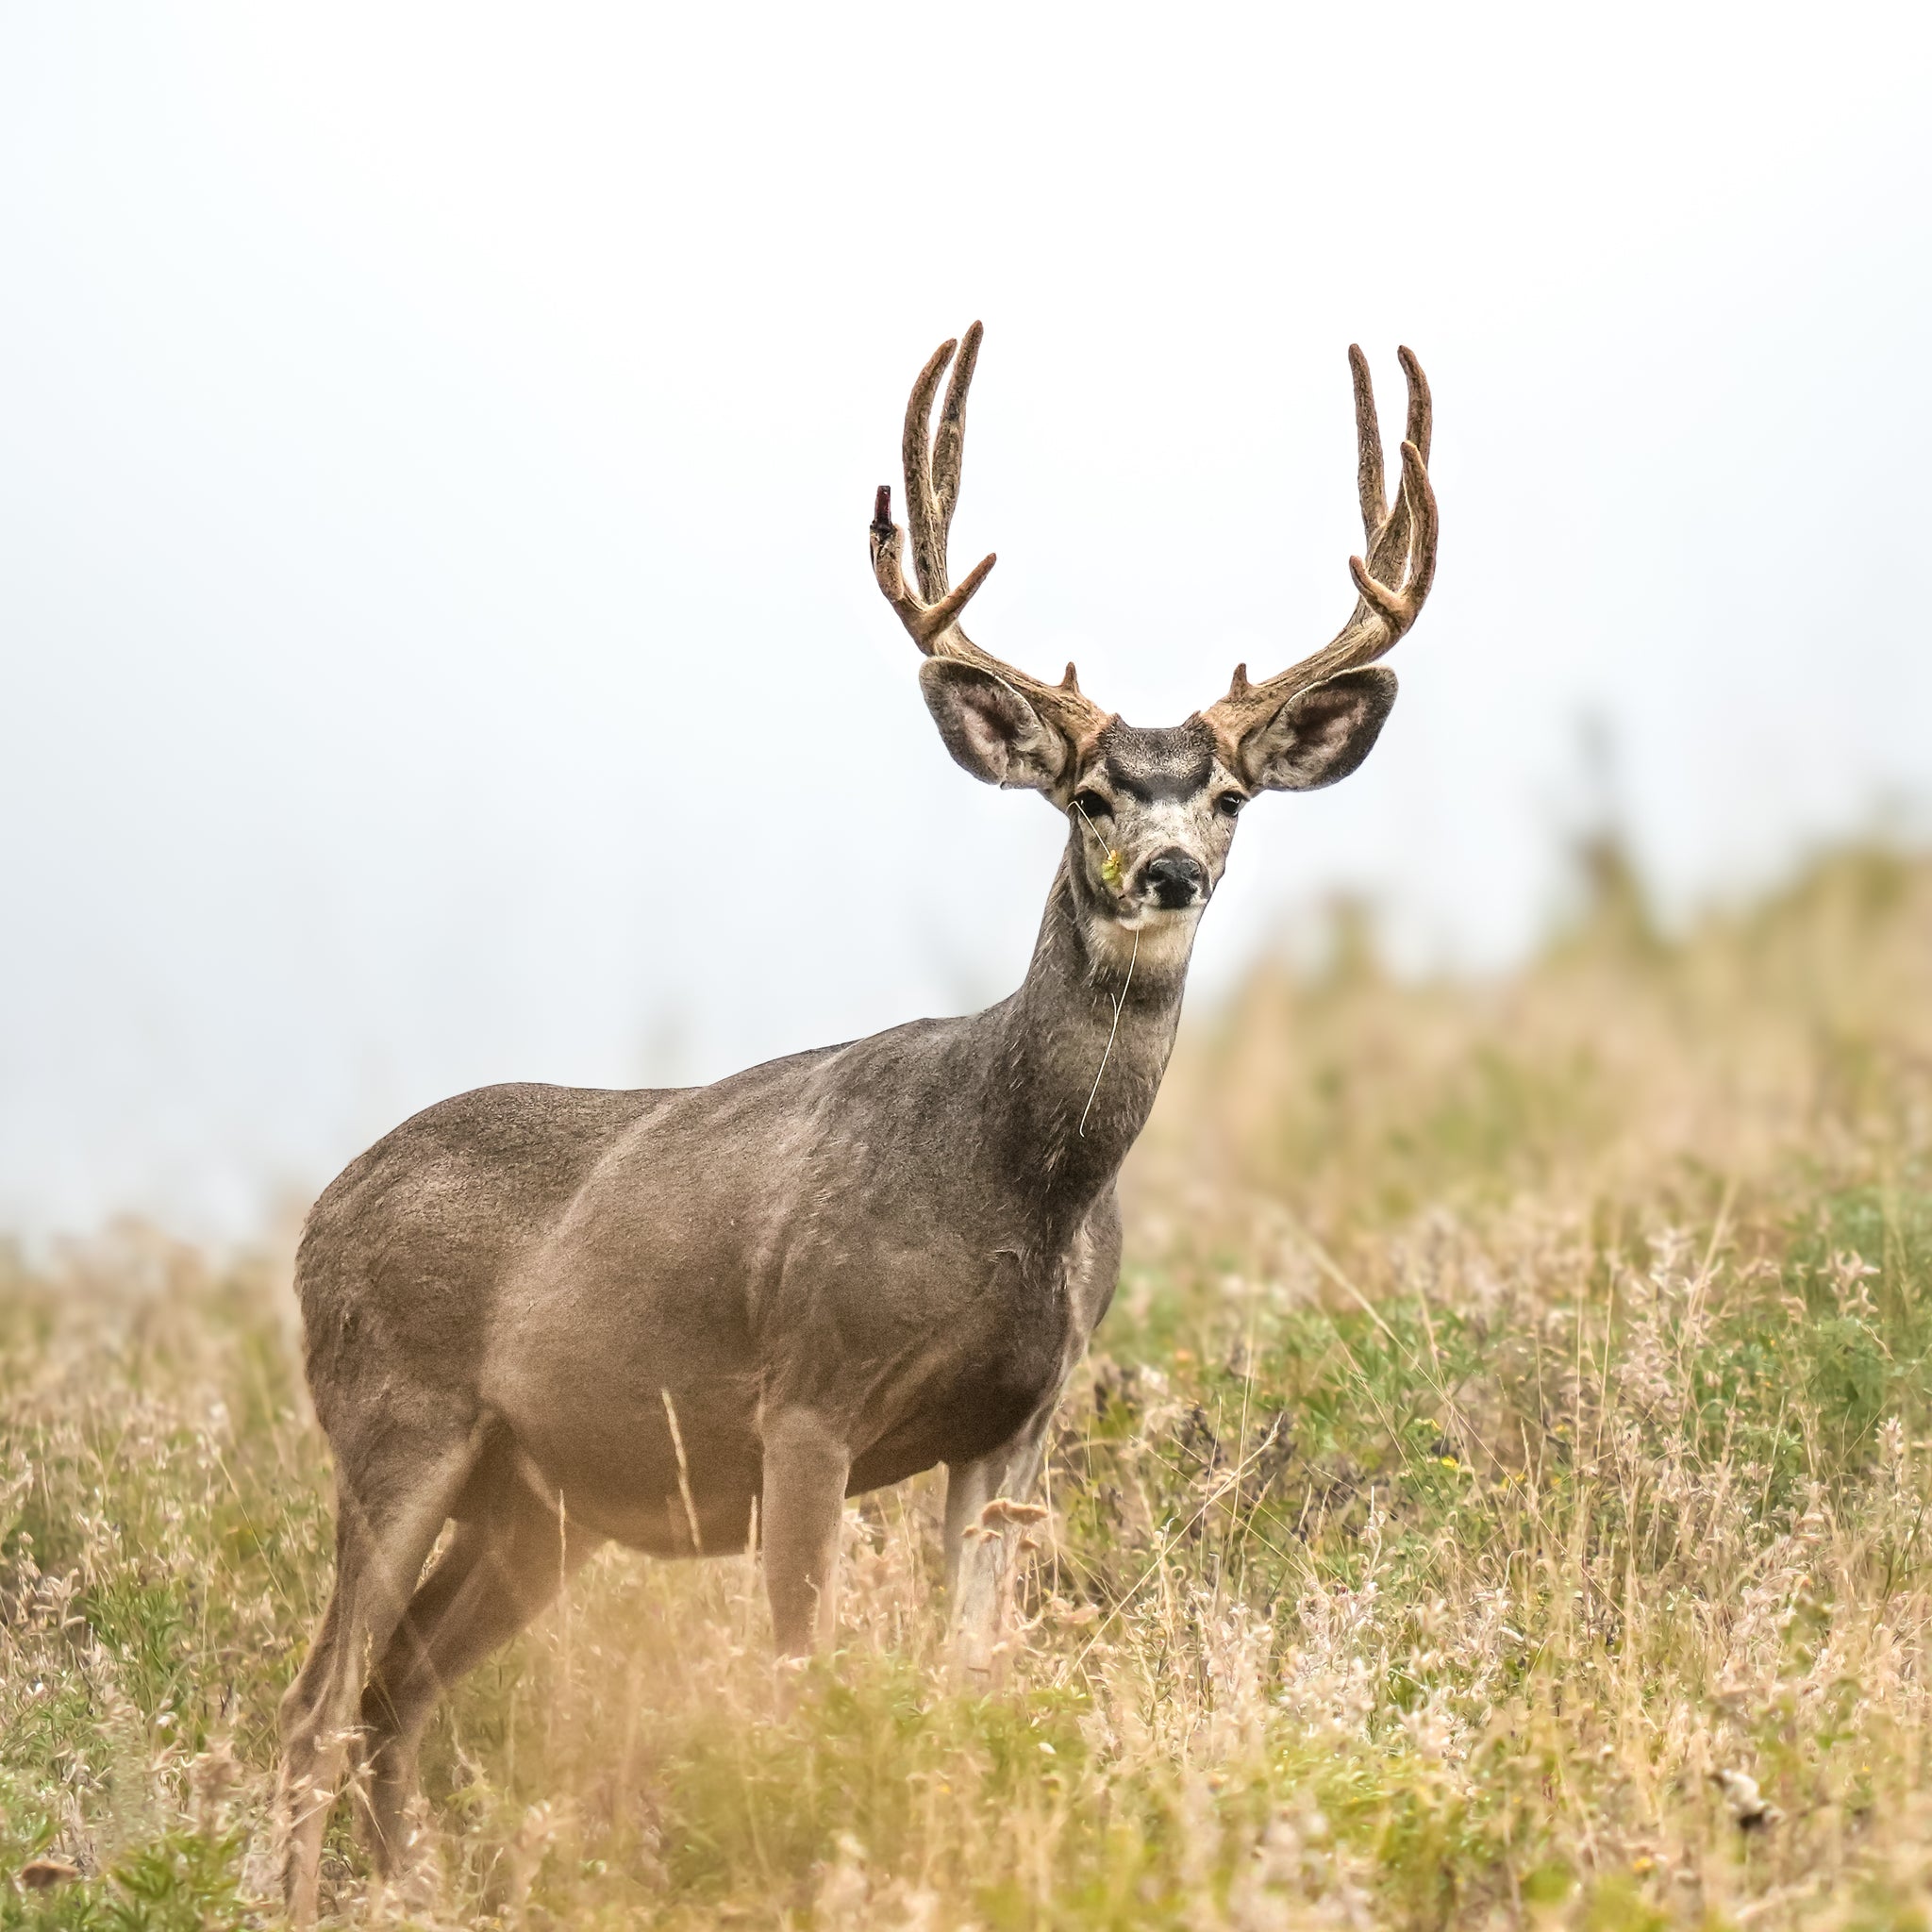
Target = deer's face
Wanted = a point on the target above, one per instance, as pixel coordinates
(1151, 815)
(1152, 812)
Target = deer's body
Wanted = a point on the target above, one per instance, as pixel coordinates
(690, 1320)
(906, 1237)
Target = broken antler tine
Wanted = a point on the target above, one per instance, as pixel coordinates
(886, 539)
(921, 512)
(950, 437)
(1421, 408)
(933, 456)
(1368, 440)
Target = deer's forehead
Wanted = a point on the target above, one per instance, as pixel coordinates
(1156, 763)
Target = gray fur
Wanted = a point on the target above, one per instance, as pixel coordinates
(820, 1276)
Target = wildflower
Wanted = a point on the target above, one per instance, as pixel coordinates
(1746, 1802)
(1849, 1274)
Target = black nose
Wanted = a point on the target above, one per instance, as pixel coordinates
(1175, 879)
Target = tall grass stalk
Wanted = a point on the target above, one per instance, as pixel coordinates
(1499, 1498)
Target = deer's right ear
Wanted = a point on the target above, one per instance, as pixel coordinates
(990, 729)
(1320, 734)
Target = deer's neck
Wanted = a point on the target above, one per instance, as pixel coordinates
(1081, 1049)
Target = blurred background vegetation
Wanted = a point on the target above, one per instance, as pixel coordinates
(1497, 1497)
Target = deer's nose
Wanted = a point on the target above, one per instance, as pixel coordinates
(1175, 879)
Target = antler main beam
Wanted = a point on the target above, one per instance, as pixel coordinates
(1392, 581)
(933, 459)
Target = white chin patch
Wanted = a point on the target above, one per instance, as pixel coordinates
(1157, 940)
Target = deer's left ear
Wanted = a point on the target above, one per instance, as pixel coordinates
(1320, 734)
(990, 728)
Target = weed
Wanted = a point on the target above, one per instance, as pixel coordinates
(1499, 1498)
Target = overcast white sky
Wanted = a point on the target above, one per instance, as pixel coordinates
(436, 446)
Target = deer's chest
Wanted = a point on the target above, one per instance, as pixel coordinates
(965, 1392)
(980, 1360)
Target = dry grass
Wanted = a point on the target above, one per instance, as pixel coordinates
(1498, 1497)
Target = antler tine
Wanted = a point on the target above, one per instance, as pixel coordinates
(949, 438)
(1421, 408)
(1389, 545)
(1392, 581)
(927, 623)
(1368, 447)
(921, 511)
(1422, 515)
(933, 466)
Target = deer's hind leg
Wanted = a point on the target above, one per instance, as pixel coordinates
(503, 1566)
(384, 1530)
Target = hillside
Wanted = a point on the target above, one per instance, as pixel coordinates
(1498, 1496)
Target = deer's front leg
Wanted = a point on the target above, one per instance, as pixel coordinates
(804, 1471)
(987, 1507)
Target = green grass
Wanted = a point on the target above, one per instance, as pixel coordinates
(1511, 1433)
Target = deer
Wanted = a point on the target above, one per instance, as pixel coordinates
(695, 1320)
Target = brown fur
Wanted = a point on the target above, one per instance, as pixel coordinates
(561, 1316)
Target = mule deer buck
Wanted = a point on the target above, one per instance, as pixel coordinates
(682, 1319)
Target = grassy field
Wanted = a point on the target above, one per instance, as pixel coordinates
(1497, 1497)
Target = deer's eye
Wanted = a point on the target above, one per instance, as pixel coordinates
(1229, 803)
(1091, 805)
